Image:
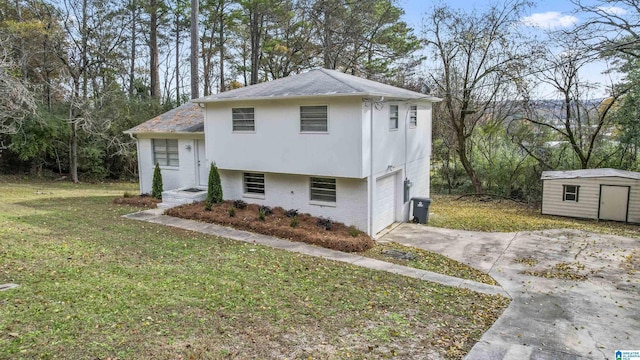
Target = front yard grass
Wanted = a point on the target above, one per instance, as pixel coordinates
(470, 213)
(96, 285)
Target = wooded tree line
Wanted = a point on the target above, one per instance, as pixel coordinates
(75, 74)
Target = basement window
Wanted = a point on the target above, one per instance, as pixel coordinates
(254, 183)
(323, 189)
(570, 193)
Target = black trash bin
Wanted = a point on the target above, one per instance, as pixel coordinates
(421, 209)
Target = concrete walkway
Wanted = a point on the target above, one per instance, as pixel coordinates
(155, 216)
(548, 318)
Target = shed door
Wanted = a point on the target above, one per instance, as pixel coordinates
(384, 209)
(202, 165)
(614, 202)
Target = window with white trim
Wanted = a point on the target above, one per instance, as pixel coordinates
(253, 183)
(323, 189)
(165, 152)
(393, 117)
(413, 116)
(570, 192)
(243, 119)
(313, 118)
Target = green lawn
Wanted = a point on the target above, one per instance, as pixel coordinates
(468, 213)
(95, 285)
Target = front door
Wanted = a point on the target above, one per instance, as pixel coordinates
(614, 202)
(202, 164)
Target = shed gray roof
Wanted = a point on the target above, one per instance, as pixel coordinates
(187, 118)
(316, 83)
(589, 173)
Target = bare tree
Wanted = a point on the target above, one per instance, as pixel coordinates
(16, 101)
(194, 50)
(575, 117)
(612, 27)
(477, 57)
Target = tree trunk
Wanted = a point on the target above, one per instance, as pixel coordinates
(466, 163)
(194, 50)
(221, 49)
(255, 17)
(154, 71)
(132, 64)
(177, 58)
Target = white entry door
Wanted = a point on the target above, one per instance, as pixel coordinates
(613, 202)
(202, 164)
(384, 210)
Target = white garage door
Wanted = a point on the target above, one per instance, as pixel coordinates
(384, 208)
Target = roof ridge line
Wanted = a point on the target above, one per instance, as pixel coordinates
(342, 82)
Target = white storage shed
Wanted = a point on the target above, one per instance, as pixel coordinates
(603, 194)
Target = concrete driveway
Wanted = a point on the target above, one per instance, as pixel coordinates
(589, 313)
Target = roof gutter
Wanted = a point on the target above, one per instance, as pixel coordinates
(314, 96)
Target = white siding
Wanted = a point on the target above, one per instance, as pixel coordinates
(278, 146)
(172, 177)
(588, 197)
(292, 192)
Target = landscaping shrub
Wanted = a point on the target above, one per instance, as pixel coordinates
(156, 183)
(266, 210)
(291, 213)
(231, 211)
(301, 227)
(323, 223)
(353, 231)
(239, 204)
(261, 215)
(214, 188)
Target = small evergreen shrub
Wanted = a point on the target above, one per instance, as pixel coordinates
(291, 213)
(353, 231)
(323, 223)
(214, 188)
(231, 211)
(267, 210)
(294, 222)
(239, 204)
(156, 184)
(261, 215)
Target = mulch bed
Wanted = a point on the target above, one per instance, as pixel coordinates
(142, 201)
(278, 224)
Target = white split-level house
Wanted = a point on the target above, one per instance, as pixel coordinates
(322, 142)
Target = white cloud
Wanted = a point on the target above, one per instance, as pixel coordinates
(549, 20)
(613, 10)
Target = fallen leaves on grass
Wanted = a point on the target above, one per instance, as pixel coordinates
(142, 201)
(427, 260)
(497, 215)
(277, 224)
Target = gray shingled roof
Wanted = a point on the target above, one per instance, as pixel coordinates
(316, 83)
(187, 118)
(589, 173)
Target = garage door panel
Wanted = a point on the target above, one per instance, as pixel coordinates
(384, 208)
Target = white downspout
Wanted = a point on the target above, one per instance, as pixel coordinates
(373, 106)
